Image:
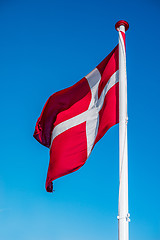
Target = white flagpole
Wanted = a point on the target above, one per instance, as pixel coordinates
(123, 215)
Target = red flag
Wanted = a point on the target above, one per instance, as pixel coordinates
(73, 120)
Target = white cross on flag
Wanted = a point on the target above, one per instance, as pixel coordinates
(75, 119)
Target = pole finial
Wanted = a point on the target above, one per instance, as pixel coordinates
(122, 22)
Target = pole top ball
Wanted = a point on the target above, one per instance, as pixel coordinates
(122, 22)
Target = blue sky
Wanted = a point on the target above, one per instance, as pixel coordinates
(46, 46)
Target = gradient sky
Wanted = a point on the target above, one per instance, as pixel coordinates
(46, 46)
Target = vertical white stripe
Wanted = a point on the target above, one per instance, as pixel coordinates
(111, 82)
(96, 105)
(92, 125)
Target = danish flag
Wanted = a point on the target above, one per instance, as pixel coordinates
(75, 119)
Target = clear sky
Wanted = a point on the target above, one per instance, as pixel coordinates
(46, 46)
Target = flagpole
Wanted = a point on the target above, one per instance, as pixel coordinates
(123, 215)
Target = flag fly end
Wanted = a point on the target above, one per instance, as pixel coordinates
(49, 188)
(122, 22)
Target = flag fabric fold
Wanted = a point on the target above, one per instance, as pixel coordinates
(73, 120)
